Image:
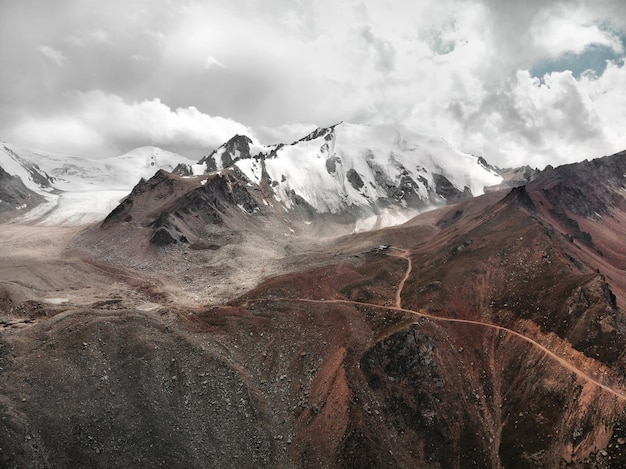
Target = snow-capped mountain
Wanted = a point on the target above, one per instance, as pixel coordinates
(339, 179)
(348, 167)
(366, 175)
(81, 190)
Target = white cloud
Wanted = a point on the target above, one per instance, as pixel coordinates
(559, 35)
(608, 95)
(99, 35)
(158, 36)
(559, 120)
(60, 134)
(73, 40)
(291, 20)
(212, 62)
(83, 38)
(286, 133)
(154, 122)
(104, 124)
(383, 50)
(56, 56)
(450, 68)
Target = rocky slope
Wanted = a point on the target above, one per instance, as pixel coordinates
(484, 334)
(14, 195)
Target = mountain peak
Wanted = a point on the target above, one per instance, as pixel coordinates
(238, 147)
(348, 167)
(147, 152)
(351, 171)
(319, 132)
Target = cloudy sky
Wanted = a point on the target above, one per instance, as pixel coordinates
(520, 82)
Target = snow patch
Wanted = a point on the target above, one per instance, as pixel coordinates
(56, 301)
(147, 307)
(388, 217)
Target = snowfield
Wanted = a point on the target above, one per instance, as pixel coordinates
(80, 190)
(74, 208)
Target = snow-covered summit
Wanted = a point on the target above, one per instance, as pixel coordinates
(240, 147)
(351, 170)
(338, 179)
(358, 166)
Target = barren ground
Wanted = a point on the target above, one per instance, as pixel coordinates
(37, 264)
(335, 356)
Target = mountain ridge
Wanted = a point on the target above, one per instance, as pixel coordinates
(360, 165)
(345, 177)
(338, 169)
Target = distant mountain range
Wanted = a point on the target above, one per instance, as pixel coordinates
(381, 174)
(72, 190)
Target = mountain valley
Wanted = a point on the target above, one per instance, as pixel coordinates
(363, 297)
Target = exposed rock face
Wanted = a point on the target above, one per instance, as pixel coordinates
(162, 237)
(15, 195)
(183, 170)
(511, 177)
(446, 189)
(235, 149)
(354, 179)
(175, 209)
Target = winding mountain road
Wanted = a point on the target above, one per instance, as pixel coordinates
(405, 254)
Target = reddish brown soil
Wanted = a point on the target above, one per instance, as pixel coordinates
(490, 334)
